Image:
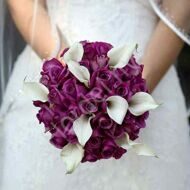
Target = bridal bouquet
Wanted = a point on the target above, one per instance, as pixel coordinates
(94, 104)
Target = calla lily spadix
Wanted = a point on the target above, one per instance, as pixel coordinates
(117, 108)
(83, 129)
(139, 148)
(141, 102)
(72, 155)
(35, 90)
(120, 56)
(72, 58)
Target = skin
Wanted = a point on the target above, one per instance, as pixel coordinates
(163, 49)
(43, 41)
(157, 58)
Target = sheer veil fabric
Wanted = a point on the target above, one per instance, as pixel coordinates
(30, 162)
(163, 12)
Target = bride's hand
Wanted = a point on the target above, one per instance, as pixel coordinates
(59, 56)
(165, 46)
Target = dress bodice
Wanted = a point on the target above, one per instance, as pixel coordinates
(114, 21)
(93, 19)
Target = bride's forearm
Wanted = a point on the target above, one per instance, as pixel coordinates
(39, 37)
(163, 49)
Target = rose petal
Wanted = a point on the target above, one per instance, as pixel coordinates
(83, 129)
(75, 53)
(35, 90)
(120, 56)
(80, 72)
(117, 108)
(141, 102)
(72, 155)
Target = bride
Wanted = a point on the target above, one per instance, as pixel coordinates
(29, 162)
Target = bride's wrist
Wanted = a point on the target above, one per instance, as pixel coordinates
(148, 79)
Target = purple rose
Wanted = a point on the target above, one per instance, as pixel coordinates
(70, 135)
(119, 152)
(104, 75)
(53, 72)
(69, 88)
(90, 157)
(67, 132)
(133, 124)
(88, 106)
(66, 121)
(81, 90)
(104, 121)
(55, 96)
(74, 112)
(138, 85)
(59, 113)
(110, 132)
(119, 131)
(89, 52)
(58, 140)
(103, 126)
(122, 89)
(45, 114)
(97, 132)
(93, 143)
(121, 75)
(97, 63)
(102, 79)
(95, 93)
(108, 149)
(102, 61)
(133, 69)
(92, 49)
(102, 48)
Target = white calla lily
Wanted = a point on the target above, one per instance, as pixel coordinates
(75, 53)
(143, 150)
(72, 155)
(79, 71)
(117, 108)
(120, 56)
(72, 58)
(36, 91)
(139, 148)
(83, 129)
(141, 102)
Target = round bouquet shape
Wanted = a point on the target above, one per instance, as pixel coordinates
(93, 102)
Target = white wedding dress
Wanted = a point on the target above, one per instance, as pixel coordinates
(29, 162)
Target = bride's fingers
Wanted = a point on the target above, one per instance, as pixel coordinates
(59, 57)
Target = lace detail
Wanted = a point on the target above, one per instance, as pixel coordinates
(168, 19)
(92, 15)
